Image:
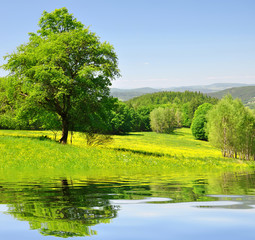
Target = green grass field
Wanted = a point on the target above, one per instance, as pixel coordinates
(181, 144)
(138, 152)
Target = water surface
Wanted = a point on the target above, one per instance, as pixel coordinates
(174, 206)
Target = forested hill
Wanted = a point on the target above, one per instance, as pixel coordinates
(246, 94)
(126, 94)
(178, 98)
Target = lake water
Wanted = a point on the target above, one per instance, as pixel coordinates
(174, 206)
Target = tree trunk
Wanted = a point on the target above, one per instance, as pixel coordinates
(71, 140)
(65, 127)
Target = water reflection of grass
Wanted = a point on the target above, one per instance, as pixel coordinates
(68, 207)
(137, 153)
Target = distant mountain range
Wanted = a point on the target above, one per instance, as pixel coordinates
(126, 94)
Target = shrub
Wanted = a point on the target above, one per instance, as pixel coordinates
(164, 120)
(199, 121)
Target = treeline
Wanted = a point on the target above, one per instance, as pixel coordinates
(179, 98)
(160, 112)
(231, 127)
(110, 116)
(228, 125)
(185, 103)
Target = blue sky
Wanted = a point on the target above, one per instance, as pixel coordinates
(159, 43)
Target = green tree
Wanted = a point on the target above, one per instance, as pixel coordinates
(245, 142)
(11, 105)
(58, 21)
(186, 119)
(164, 120)
(231, 128)
(120, 118)
(199, 121)
(144, 116)
(222, 122)
(64, 69)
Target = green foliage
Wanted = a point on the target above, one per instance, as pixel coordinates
(187, 102)
(197, 127)
(58, 21)
(186, 115)
(121, 118)
(144, 117)
(178, 98)
(231, 128)
(11, 104)
(164, 120)
(199, 121)
(64, 69)
(221, 124)
(16, 113)
(203, 109)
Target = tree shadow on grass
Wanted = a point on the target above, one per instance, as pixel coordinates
(130, 134)
(141, 152)
(41, 138)
(173, 134)
(177, 134)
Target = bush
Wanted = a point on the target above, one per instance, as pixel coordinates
(164, 120)
(198, 128)
(199, 121)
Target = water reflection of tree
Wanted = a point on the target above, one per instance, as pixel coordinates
(190, 191)
(65, 211)
(234, 183)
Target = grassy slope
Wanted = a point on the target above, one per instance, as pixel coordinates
(179, 145)
(140, 152)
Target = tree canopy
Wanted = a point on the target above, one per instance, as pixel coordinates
(231, 128)
(63, 69)
(58, 21)
(165, 120)
(187, 102)
(199, 121)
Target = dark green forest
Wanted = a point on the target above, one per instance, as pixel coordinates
(179, 98)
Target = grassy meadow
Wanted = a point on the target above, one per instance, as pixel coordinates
(27, 151)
